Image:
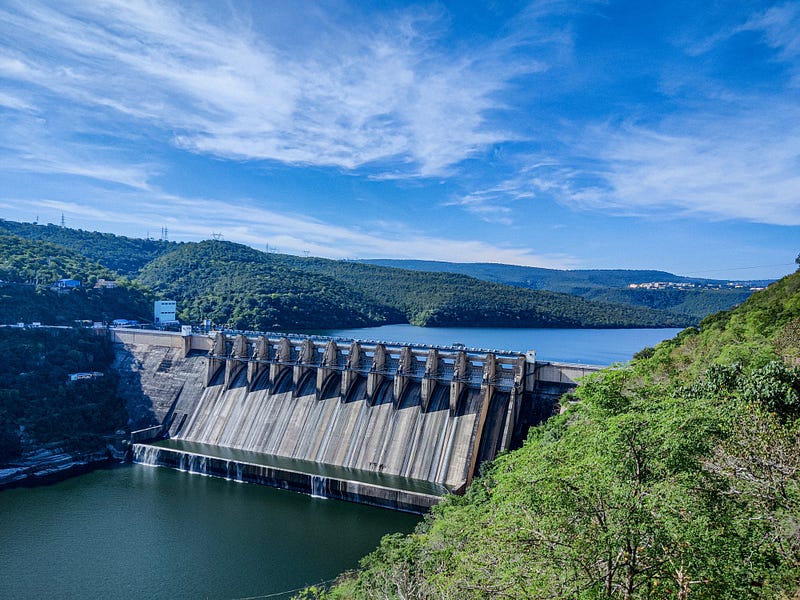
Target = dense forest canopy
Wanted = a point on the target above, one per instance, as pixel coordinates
(251, 289)
(246, 289)
(38, 402)
(675, 476)
(29, 270)
(240, 287)
(43, 263)
(700, 297)
(123, 255)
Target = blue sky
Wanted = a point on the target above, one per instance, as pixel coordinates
(550, 133)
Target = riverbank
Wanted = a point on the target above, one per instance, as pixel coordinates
(50, 464)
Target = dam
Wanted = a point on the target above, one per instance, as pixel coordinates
(393, 425)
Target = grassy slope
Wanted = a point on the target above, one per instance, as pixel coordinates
(675, 477)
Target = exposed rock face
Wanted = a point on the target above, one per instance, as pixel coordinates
(154, 378)
(52, 463)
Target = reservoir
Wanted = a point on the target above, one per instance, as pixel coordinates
(144, 532)
(587, 346)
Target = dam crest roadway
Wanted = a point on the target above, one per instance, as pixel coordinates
(394, 425)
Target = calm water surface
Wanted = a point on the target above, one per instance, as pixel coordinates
(143, 532)
(588, 346)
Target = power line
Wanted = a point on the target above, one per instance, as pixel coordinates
(273, 595)
(738, 269)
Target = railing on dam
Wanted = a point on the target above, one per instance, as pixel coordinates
(268, 356)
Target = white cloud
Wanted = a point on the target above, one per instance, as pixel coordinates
(780, 26)
(742, 166)
(779, 29)
(496, 204)
(28, 147)
(359, 93)
(189, 219)
(14, 102)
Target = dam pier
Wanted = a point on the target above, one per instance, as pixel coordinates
(393, 425)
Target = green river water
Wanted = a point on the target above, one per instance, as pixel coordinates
(144, 532)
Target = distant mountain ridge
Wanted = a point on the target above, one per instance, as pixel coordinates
(550, 279)
(607, 285)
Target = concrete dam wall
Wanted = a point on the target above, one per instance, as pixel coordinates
(357, 420)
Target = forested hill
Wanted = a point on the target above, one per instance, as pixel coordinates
(241, 287)
(608, 285)
(538, 278)
(124, 255)
(448, 299)
(29, 261)
(676, 476)
(28, 270)
(254, 290)
(245, 288)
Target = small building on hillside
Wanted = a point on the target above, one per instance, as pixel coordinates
(164, 312)
(67, 284)
(85, 376)
(105, 283)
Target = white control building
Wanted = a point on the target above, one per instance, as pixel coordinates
(164, 312)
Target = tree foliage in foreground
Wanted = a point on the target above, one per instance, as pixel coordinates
(669, 479)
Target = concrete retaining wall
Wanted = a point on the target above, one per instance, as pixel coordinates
(306, 483)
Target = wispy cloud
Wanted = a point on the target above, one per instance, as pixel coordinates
(14, 102)
(199, 218)
(497, 203)
(743, 167)
(713, 153)
(367, 92)
(29, 147)
(780, 26)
